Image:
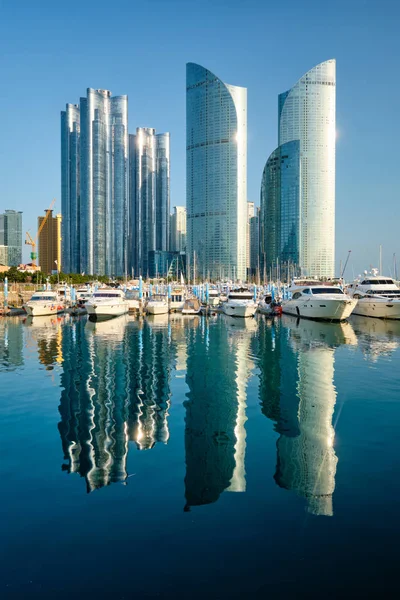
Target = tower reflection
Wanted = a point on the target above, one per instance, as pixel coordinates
(93, 403)
(116, 388)
(149, 369)
(11, 344)
(218, 367)
(306, 460)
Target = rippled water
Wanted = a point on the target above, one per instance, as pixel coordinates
(194, 458)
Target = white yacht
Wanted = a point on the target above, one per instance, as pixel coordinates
(44, 303)
(239, 303)
(157, 305)
(376, 296)
(107, 302)
(318, 301)
(191, 306)
(177, 300)
(269, 307)
(213, 297)
(133, 299)
(79, 306)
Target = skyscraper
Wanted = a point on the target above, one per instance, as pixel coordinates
(216, 166)
(178, 229)
(50, 244)
(11, 236)
(255, 243)
(70, 188)
(149, 156)
(298, 183)
(95, 162)
(250, 215)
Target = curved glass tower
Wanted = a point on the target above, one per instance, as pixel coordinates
(280, 209)
(298, 185)
(216, 166)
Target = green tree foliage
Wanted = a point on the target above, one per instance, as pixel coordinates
(72, 278)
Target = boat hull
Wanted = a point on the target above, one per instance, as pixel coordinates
(106, 309)
(38, 310)
(157, 309)
(265, 309)
(384, 309)
(319, 308)
(239, 310)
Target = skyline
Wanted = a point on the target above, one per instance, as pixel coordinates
(362, 39)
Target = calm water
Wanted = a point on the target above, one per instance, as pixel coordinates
(193, 458)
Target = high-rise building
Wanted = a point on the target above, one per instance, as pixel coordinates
(250, 215)
(178, 229)
(149, 156)
(95, 162)
(50, 244)
(298, 183)
(216, 166)
(254, 227)
(70, 188)
(3, 255)
(11, 236)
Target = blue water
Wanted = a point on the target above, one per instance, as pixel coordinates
(194, 458)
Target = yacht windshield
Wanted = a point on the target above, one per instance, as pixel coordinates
(327, 290)
(108, 295)
(52, 298)
(391, 293)
(241, 296)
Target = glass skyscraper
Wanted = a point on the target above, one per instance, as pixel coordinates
(216, 166)
(298, 183)
(149, 156)
(70, 188)
(95, 184)
(11, 237)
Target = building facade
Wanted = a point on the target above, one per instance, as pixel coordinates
(216, 167)
(178, 229)
(70, 187)
(49, 244)
(149, 197)
(250, 215)
(254, 227)
(298, 183)
(94, 171)
(11, 237)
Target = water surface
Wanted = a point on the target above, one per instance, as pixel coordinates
(188, 458)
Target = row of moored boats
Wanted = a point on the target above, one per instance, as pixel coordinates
(371, 296)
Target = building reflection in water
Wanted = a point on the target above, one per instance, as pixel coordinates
(149, 367)
(11, 344)
(116, 388)
(306, 460)
(218, 368)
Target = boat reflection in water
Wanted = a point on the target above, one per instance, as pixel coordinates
(306, 460)
(46, 332)
(11, 344)
(116, 388)
(376, 337)
(218, 368)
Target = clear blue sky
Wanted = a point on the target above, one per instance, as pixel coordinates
(52, 51)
